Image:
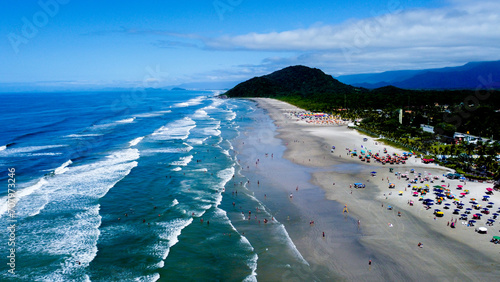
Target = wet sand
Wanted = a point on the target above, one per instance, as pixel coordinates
(381, 236)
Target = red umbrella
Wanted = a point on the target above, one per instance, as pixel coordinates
(460, 186)
(489, 189)
(463, 194)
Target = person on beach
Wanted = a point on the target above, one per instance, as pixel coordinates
(323, 234)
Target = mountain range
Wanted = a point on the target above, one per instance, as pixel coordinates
(472, 75)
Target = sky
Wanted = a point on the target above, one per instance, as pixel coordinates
(77, 44)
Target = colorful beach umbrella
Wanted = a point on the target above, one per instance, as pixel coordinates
(489, 189)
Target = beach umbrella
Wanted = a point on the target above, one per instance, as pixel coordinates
(437, 186)
(491, 220)
(460, 186)
(491, 203)
(496, 214)
(489, 189)
(447, 204)
(373, 172)
(472, 221)
(463, 194)
(486, 196)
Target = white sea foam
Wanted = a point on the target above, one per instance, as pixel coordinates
(192, 102)
(3, 147)
(244, 243)
(152, 114)
(135, 141)
(32, 187)
(21, 194)
(63, 168)
(127, 120)
(188, 147)
(78, 136)
(150, 278)
(177, 169)
(28, 149)
(175, 203)
(148, 152)
(212, 130)
(171, 231)
(291, 244)
(183, 161)
(178, 129)
(232, 116)
(200, 113)
(201, 169)
(196, 141)
(76, 192)
(42, 154)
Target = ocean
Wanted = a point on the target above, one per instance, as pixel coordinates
(128, 186)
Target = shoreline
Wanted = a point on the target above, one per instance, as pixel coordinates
(386, 239)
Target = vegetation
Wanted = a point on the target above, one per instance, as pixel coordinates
(449, 111)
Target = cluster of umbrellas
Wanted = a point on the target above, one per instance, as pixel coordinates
(444, 196)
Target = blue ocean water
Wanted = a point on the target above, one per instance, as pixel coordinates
(131, 187)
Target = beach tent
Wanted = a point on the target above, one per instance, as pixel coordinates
(482, 230)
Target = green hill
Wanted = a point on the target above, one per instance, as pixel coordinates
(291, 81)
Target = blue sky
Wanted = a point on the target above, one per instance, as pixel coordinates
(70, 44)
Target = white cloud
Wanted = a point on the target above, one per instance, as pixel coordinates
(456, 25)
(418, 38)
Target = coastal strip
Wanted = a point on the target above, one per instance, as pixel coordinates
(404, 242)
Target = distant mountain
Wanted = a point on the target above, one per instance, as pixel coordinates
(177, 89)
(295, 80)
(468, 76)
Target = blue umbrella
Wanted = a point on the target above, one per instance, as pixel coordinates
(447, 204)
(491, 203)
(486, 196)
(456, 209)
(469, 209)
(495, 214)
(485, 209)
(491, 220)
(472, 221)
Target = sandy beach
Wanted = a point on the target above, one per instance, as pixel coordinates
(354, 236)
